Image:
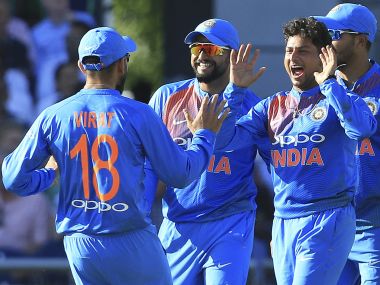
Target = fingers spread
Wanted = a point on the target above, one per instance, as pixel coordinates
(247, 52)
(220, 107)
(256, 55)
(204, 104)
(214, 101)
(233, 57)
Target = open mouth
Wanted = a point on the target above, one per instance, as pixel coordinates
(297, 70)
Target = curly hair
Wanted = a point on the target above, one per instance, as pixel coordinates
(308, 28)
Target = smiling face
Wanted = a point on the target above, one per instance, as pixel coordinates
(301, 61)
(209, 68)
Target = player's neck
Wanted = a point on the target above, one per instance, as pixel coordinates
(352, 71)
(91, 85)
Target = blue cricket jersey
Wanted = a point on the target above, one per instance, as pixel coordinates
(313, 138)
(227, 186)
(100, 141)
(367, 197)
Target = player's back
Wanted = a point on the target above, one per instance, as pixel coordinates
(97, 136)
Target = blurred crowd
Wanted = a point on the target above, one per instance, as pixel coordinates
(38, 67)
(38, 62)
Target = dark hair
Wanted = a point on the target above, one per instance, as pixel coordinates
(308, 28)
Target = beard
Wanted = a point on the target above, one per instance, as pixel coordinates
(345, 54)
(216, 73)
(120, 85)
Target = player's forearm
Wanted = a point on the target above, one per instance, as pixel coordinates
(234, 96)
(22, 181)
(179, 168)
(197, 158)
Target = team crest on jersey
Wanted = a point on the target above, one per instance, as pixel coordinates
(318, 114)
(372, 105)
(209, 23)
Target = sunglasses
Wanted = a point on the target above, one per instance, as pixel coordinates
(336, 35)
(209, 49)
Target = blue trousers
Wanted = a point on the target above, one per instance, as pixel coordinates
(210, 253)
(133, 258)
(312, 250)
(363, 264)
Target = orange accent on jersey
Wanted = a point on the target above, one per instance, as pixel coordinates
(304, 152)
(105, 164)
(278, 158)
(78, 118)
(315, 157)
(365, 147)
(82, 149)
(222, 166)
(293, 157)
(93, 119)
(102, 120)
(211, 164)
(110, 116)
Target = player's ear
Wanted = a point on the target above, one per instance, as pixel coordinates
(121, 65)
(81, 67)
(362, 39)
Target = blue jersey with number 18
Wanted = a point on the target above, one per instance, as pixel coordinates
(100, 141)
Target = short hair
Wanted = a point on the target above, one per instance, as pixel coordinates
(308, 28)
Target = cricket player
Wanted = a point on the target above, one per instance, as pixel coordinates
(208, 226)
(314, 129)
(353, 28)
(100, 140)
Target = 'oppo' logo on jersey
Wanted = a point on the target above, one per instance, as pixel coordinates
(89, 205)
(295, 140)
(182, 141)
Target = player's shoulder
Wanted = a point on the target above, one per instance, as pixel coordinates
(169, 89)
(54, 109)
(275, 99)
(252, 96)
(163, 93)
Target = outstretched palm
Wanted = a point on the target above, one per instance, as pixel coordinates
(241, 67)
(329, 62)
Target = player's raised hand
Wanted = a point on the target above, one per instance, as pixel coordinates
(210, 116)
(329, 63)
(242, 67)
